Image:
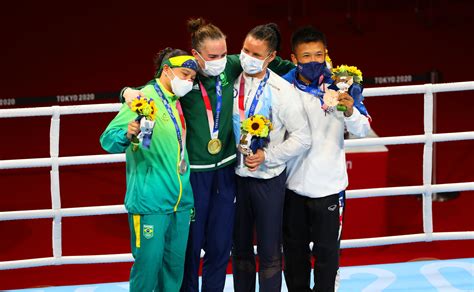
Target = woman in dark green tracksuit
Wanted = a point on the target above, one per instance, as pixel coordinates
(212, 164)
(159, 198)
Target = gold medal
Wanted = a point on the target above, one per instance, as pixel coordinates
(214, 146)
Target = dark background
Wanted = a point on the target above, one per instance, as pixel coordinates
(61, 47)
(51, 48)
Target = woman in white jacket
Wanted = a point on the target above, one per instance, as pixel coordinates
(261, 183)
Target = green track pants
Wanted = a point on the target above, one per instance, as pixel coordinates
(159, 248)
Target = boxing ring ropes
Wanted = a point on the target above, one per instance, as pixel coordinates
(57, 213)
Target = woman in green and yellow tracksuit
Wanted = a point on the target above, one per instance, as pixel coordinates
(159, 198)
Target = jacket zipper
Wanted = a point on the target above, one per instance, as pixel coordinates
(179, 179)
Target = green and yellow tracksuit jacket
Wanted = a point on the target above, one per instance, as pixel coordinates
(154, 184)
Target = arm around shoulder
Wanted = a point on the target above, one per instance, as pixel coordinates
(281, 66)
(294, 118)
(127, 94)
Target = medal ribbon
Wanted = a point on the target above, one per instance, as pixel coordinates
(183, 121)
(173, 118)
(316, 92)
(213, 121)
(256, 98)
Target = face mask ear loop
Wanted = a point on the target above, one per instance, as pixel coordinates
(268, 56)
(202, 58)
(264, 60)
(173, 73)
(168, 75)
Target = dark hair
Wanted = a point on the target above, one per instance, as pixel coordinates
(269, 33)
(200, 31)
(307, 34)
(164, 55)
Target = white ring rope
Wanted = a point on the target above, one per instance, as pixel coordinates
(63, 110)
(62, 161)
(120, 209)
(114, 158)
(55, 162)
(419, 89)
(114, 107)
(120, 258)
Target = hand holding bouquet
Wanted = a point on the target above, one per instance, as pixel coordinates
(146, 110)
(345, 76)
(255, 132)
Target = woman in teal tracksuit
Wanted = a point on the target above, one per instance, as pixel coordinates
(159, 198)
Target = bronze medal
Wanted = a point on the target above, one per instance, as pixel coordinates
(330, 98)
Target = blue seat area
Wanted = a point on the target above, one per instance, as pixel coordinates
(423, 276)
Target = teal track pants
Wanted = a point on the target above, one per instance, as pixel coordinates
(159, 247)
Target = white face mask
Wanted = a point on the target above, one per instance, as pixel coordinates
(214, 67)
(179, 86)
(251, 65)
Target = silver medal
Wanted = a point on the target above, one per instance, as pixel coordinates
(183, 167)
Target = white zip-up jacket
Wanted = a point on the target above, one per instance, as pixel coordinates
(321, 171)
(290, 136)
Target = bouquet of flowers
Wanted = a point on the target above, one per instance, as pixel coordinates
(344, 77)
(254, 134)
(146, 110)
(345, 71)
